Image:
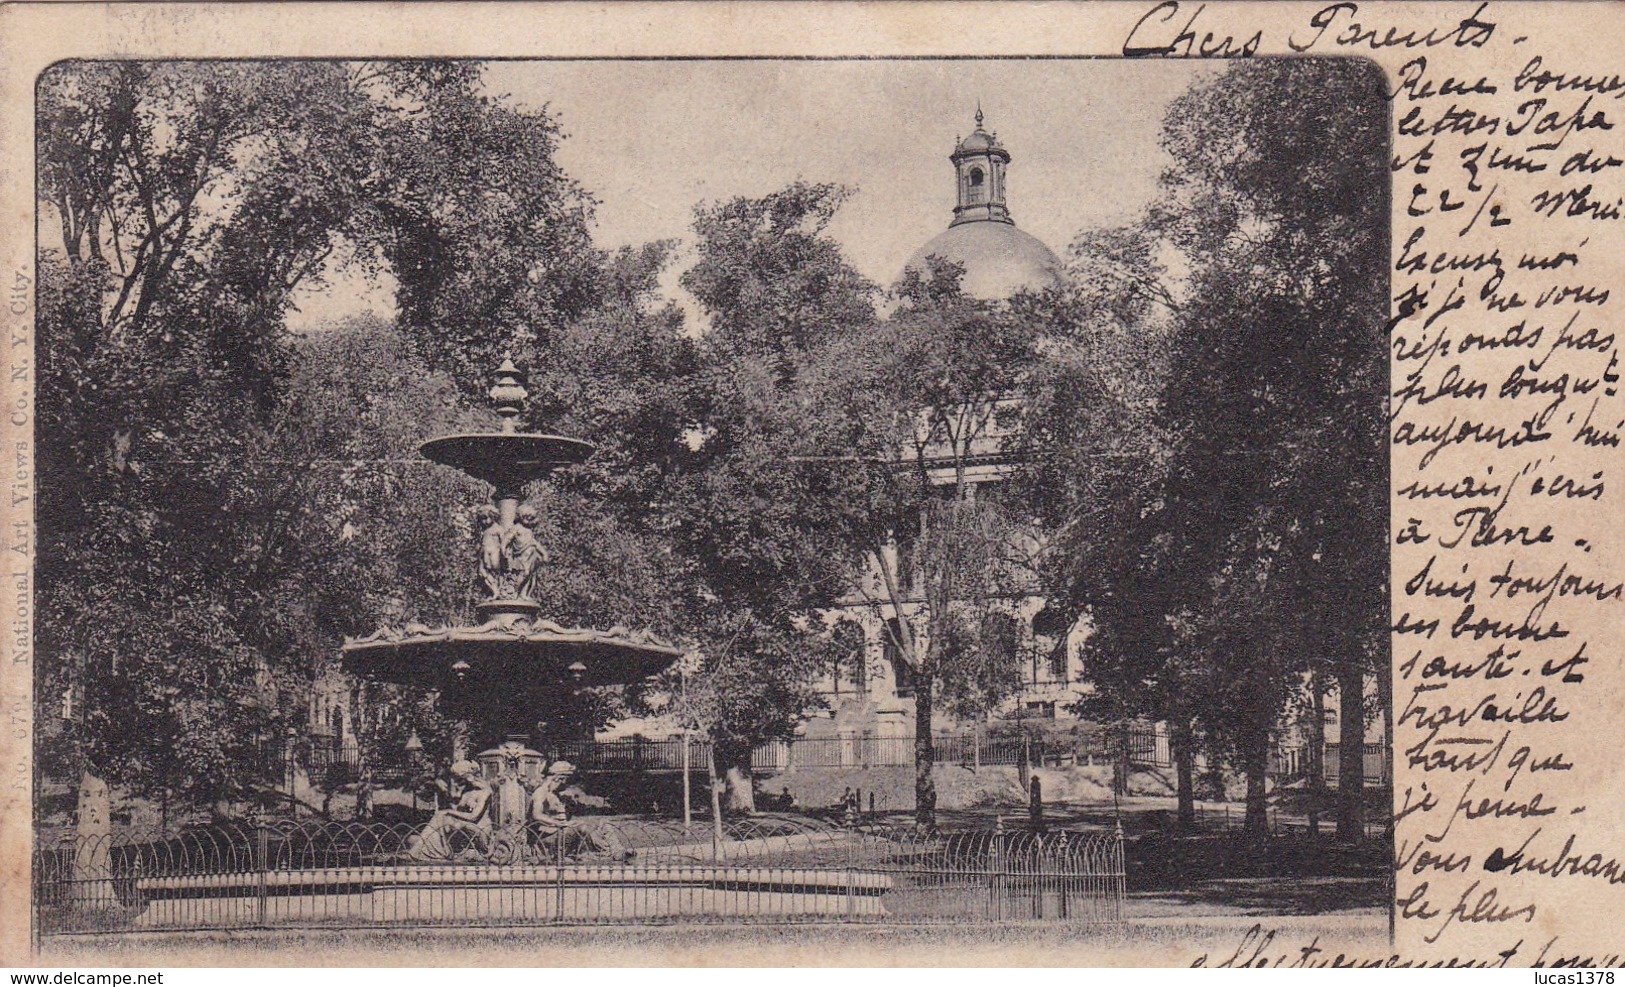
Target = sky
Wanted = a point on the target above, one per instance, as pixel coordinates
(651, 140)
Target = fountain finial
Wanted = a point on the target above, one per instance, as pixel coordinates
(508, 395)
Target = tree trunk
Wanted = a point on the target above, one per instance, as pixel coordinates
(1317, 749)
(1183, 742)
(925, 755)
(1257, 756)
(1124, 766)
(741, 786)
(1351, 752)
(715, 785)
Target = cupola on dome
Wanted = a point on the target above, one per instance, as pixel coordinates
(999, 259)
(979, 140)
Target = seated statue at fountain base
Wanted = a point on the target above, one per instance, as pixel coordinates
(557, 835)
(463, 832)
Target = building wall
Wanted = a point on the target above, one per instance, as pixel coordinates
(879, 694)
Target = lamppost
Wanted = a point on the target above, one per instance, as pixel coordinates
(583, 724)
(414, 761)
(291, 737)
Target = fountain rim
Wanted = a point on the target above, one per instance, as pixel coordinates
(428, 652)
(570, 451)
(503, 632)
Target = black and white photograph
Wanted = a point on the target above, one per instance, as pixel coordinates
(707, 500)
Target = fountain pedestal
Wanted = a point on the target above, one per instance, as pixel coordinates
(514, 771)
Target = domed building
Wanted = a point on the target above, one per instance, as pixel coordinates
(999, 259)
(870, 692)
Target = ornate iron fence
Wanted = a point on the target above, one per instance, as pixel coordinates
(1291, 763)
(334, 766)
(773, 869)
(859, 751)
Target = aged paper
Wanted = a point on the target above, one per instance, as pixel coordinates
(1506, 158)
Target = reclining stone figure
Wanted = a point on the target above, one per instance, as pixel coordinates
(460, 832)
(557, 835)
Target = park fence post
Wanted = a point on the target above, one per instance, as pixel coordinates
(851, 895)
(262, 847)
(558, 878)
(995, 882)
(1120, 878)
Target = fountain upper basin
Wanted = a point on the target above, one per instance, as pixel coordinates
(502, 457)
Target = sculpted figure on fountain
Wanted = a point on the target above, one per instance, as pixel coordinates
(493, 556)
(462, 831)
(511, 556)
(525, 553)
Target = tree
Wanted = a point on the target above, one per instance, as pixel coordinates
(1283, 354)
(487, 237)
(915, 405)
(1094, 464)
(772, 284)
(1207, 448)
(187, 220)
(698, 438)
(837, 452)
(183, 529)
(376, 527)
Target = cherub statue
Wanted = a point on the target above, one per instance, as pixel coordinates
(493, 558)
(525, 553)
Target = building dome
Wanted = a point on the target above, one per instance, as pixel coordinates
(999, 260)
(979, 140)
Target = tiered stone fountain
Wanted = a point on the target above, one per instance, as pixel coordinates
(502, 675)
(498, 677)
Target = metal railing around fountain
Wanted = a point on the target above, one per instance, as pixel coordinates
(764, 869)
(639, 754)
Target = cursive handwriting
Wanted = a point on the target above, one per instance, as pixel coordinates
(1505, 373)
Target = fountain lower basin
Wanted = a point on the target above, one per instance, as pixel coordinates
(512, 648)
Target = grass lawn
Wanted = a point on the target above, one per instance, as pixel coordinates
(1153, 941)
